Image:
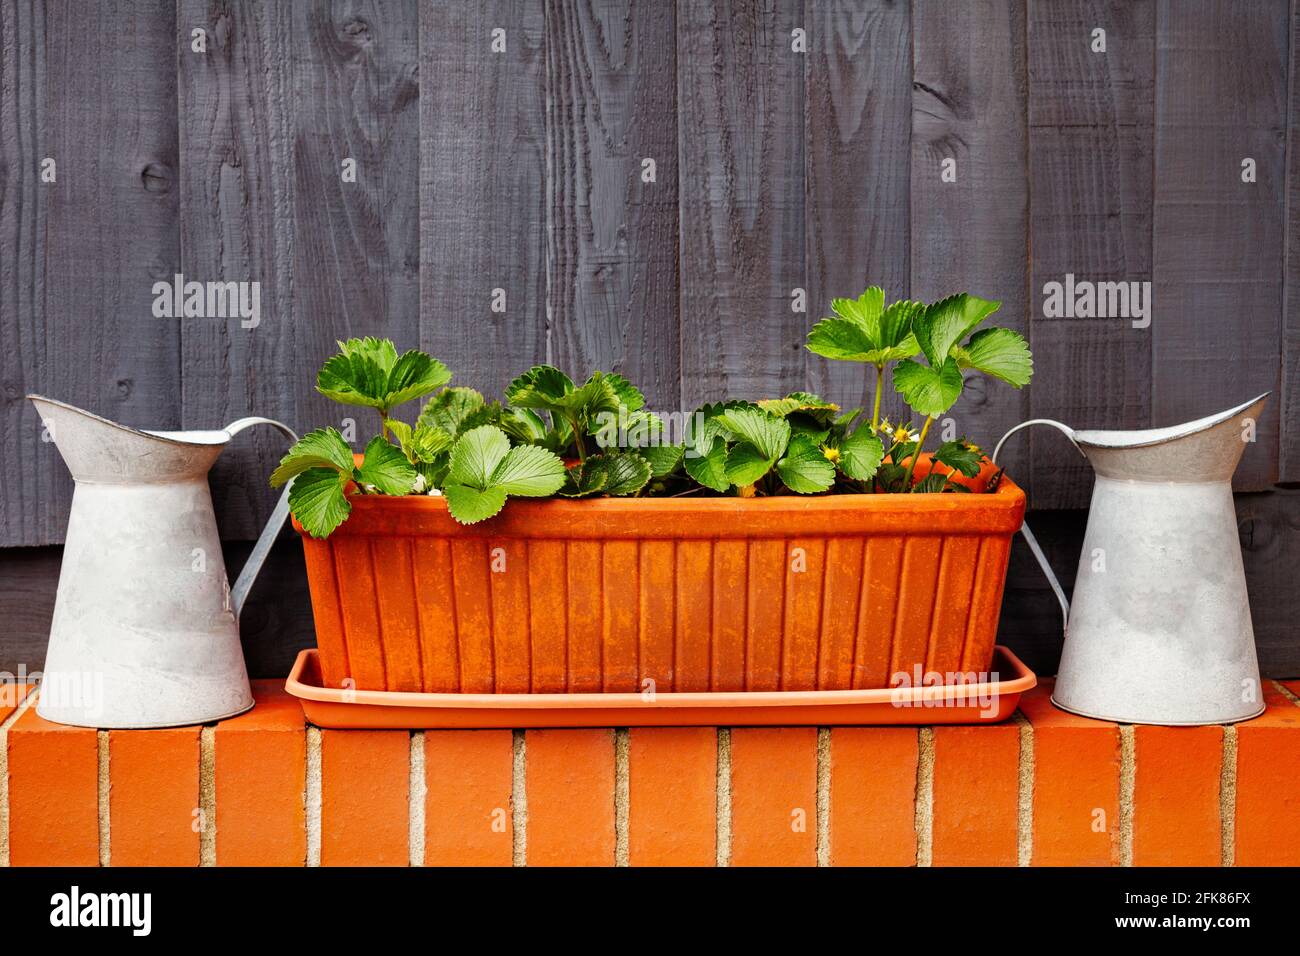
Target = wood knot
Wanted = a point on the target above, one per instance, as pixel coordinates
(356, 31)
(157, 177)
(1254, 534)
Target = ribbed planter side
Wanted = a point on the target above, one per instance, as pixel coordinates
(825, 593)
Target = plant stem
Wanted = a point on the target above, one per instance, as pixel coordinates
(577, 440)
(875, 407)
(911, 465)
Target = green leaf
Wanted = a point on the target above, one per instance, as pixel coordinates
(746, 464)
(415, 374)
(523, 425)
(323, 448)
(709, 469)
(476, 456)
(897, 340)
(861, 453)
(890, 477)
(864, 311)
(1001, 353)
(843, 421)
(471, 505)
(531, 471)
(706, 424)
(449, 409)
(581, 481)
(948, 321)
(627, 472)
(804, 402)
(547, 388)
(318, 502)
(628, 394)
(595, 396)
(427, 443)
(542, 386)
(380, 351)
(663, 459)
(928, 391)
(368, 372)
(399, 430)
(841, 339)
(866, 331)
(767, 433)
(352, 380)
(804, 468)
(931, 484)
(960, 457)
(385, 467)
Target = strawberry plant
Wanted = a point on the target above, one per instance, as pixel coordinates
(864, 330)
(553, 436)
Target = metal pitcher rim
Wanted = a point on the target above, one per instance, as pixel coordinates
(221, 437)
(1146, 437)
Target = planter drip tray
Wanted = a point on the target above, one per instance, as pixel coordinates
(389, 710)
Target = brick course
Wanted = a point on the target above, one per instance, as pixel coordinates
(1048, 789)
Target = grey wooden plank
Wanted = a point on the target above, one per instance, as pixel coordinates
(112, 227)
(483, 188)
(29, 578)
(741, 182)
(1091, 144)
(356, 245)
(859, 143)
(1217, 241)
(1269, 526)
(969, 106)
(1031, 623)
(237, 225)
(1289, 462)
(277, 621)
(611, 78)
(28, 513)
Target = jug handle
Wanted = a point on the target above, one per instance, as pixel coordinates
(1028, 535)
(257, 557)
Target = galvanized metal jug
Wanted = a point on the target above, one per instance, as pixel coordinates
(146, 625)
(1159, 629)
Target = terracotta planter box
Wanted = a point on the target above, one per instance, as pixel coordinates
(709, 594)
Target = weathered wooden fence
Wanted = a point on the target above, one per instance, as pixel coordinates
(670, 190)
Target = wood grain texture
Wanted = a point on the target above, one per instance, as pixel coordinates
(483, 167)
(1289, 461)
(112, 228)
(859, 116)
(611, 95)
(1217, 241)
(741, 173)
(1090, 167)
(237, 225)
(28, 513)
(1269, 528)
(968, 105)
(356, 244)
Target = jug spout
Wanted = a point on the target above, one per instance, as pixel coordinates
(98, 450)
(1205, 450)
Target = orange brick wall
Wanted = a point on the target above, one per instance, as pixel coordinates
(1047, 788)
